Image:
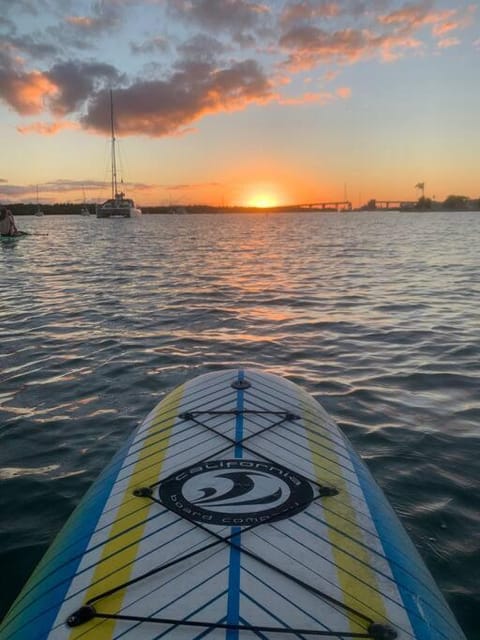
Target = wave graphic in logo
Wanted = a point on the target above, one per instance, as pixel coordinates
(235, 492)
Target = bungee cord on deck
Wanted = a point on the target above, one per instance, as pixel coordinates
(374, 630)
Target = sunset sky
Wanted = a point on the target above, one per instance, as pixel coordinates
(239, 102)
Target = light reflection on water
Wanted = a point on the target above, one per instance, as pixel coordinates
(376, 314)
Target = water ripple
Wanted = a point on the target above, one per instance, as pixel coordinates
(376, 315)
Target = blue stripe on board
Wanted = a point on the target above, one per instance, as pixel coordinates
(190, 615)
(419, 601)
(43, 602)
(233, 607)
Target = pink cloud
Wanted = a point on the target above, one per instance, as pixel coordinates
(321, 98)
(344, 92)
(308, 98)
(448, 42)
(26, 92)
(80, 21)
(309, 46)
(48, 128)
(441, 29)
(415, 16)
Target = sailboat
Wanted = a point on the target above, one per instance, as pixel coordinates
(117, 206)
(84, 211)
(38, 212)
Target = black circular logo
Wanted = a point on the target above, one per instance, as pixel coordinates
(235, 492)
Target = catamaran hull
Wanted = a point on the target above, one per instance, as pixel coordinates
(118, 213)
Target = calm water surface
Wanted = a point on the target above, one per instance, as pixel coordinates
(377, 315)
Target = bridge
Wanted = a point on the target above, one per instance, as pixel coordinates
(341, 205)
(392, 204)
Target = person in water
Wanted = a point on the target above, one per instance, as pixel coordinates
(7, 223)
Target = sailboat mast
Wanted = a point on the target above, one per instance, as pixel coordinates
(114, 159)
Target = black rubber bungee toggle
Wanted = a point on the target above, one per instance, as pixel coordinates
(82, 615)
(326, 492)
(241, 384)
(143, 492)
(382, 631)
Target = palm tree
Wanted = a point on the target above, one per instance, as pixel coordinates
(421, 186)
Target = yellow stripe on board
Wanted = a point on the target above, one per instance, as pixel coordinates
(112, 569)
(356, 578)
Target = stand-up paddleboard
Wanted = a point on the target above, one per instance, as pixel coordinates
(237, 510)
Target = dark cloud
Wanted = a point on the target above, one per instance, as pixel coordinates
(201, 47)
(307, 10)
(83, 31)
(158, 108)
(153, 45)
(6, 26)
(105, 16)
(76, 82)
(28, 7)
(90, 187)
(310, 45)
(35, 47)
(240, 18)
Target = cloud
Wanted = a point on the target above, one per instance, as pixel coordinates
(309, 40)
(344, 92)
(104, 17)
(201, 47)
(308, 98)
(51, 189)
(62, 89)
(240, 18)
(316, 33)
(152, 45)
(33, 47)
(309, 46)
(29, 7)
(446, 43)
(76, 81)
(167, 107)
(415, 16)
(306, 10)
(322, 97)
(24, 91)
(190, 187)
(64, 186)
(48, 128)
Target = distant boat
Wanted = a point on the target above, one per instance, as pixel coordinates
(84, 211)
(38, 212)
(117, 206)
(178, 210)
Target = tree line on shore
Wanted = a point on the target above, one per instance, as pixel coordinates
(451, 203)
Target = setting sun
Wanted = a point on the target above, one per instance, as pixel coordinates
(262, 200)
(262, 195)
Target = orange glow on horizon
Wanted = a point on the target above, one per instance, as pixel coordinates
(262, 201)
(263, 195)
